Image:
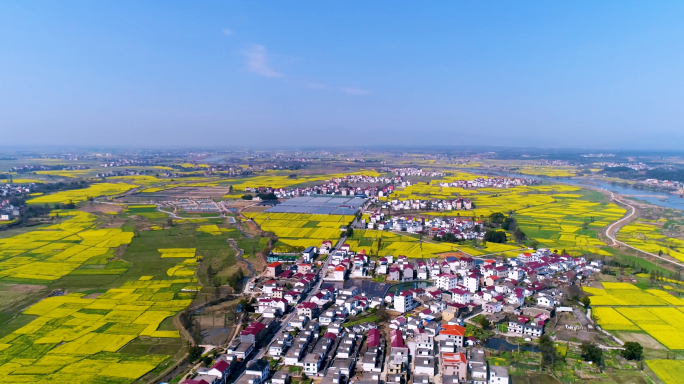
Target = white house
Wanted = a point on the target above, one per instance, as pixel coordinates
(403, 302)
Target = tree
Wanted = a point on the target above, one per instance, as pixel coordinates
(169, 222)
(574, 292)
(508, 223)
(495, 236)
(267, 196)
(591, 352)
(484, 322)
(247, 197)
(519, 235)
(632, 351)
(585, 301)
(497, 217)
(195, 353)
(550, 355)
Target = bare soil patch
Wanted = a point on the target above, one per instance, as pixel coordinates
(113, 223)
(10, 294)
(102, 208)
(92, 295)
(645, 340)
(577, 336)
(25, 288)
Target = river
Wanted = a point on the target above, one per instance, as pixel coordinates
(662, 199)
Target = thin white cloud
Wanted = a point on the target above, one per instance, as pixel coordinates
(317, 86)
(257, 58)
(228, 32)
(354, 91)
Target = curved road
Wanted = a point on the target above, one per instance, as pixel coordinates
(623, 221)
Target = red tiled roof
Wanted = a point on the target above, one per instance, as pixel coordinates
(453, 330)
(453, 358)
(373, 338)
(221, 365)
(253, 329)
(275, 264)
(397, 339)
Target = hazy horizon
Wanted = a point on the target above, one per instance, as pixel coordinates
(308, 74)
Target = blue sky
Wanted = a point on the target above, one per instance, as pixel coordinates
(300, 73)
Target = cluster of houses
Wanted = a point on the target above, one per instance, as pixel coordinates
(495, 285)
(665, 183)
(429, 205)
(217, 373)
(633, 166)
(403, 172)
(9, 211)
(40, 167)
(123, 162)
(458, 364)
(302, 343)
(377, 186)
(315, 337)
(489, 182)
(462, 228)
(344, 263)
(250, 339)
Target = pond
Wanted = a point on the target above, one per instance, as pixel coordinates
(409, 285)
(503, 345)
(366, 286)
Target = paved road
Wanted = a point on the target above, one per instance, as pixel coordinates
(285, 320)
(612, 228)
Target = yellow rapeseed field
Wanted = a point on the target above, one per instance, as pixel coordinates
(78, 195)
(58, 250)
